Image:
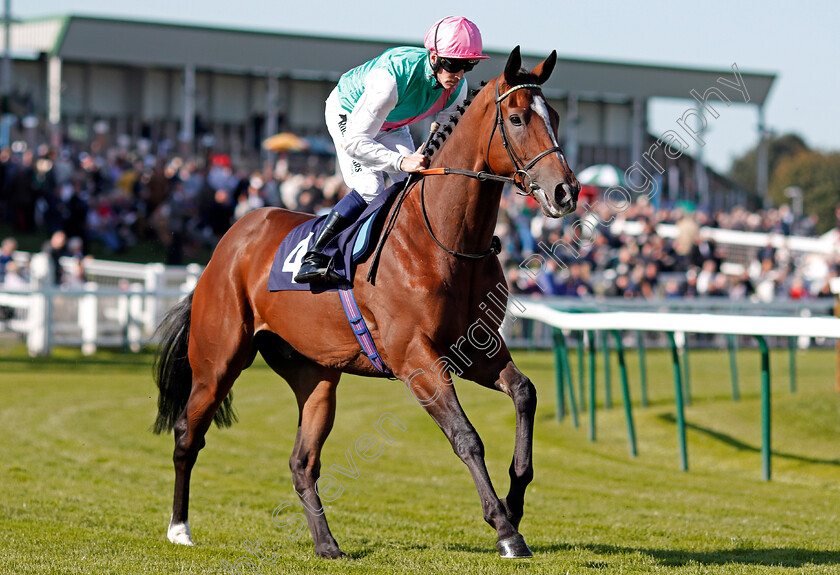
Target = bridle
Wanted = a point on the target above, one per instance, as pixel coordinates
(520, 173)
(520, 168)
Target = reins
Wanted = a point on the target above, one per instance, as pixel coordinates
(495, 243)
(469, 173)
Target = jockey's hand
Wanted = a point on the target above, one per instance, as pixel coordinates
(414, 162)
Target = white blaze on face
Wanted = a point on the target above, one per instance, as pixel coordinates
(541, 108)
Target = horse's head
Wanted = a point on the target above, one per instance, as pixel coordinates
(528, 145)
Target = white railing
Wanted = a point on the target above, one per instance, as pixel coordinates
(828, 327)
(122, 304)
(674, 324)
(827, 244)
(89, 317)
(536, 334)
(121, 308)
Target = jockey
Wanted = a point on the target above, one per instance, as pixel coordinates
(368, 114)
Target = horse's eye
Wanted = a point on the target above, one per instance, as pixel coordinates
(516, 120)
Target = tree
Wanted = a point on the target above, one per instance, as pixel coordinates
(818, 175)
(744, 169)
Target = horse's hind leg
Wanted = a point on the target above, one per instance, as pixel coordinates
(216, 363)
(315, 390)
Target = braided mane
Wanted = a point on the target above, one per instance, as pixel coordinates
(442, 133)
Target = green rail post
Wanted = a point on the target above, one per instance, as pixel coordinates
(733, 365)
(559, 374)
(528, 330)
(678, 399)
(591, 386)
(642, 366)
(581, 384)
(605, 344)
(567, 372)
(625, 393)
(766, 449)
(792, 347)
(686, 372)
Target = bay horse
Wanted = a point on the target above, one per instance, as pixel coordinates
(420, 307)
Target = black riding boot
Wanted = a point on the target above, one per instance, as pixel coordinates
(316, 266)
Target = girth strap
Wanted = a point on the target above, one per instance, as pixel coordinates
(360, 329)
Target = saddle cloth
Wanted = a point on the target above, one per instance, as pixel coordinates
(348, 247)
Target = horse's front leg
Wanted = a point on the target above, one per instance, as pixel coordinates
(521, 390)
(501, 374)
(442, 404)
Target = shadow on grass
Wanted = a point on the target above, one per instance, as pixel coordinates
(778, 557)
(370, 547)
(65, 357)
(359, 553)
(775, 557)
(741, 446)
(58, 362)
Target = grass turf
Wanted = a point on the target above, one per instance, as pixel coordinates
(86, 488)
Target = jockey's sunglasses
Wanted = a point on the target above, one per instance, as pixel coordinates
(455, 65)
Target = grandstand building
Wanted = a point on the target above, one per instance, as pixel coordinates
(189, 89)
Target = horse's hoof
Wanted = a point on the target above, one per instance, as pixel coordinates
(514, 548)
(179, 533)
(331, 552)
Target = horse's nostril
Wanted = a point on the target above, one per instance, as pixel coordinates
(572, 190)
(566, 191)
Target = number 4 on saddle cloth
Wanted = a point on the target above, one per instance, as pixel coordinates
(346, 249)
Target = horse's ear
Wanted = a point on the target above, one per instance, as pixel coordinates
(544, 68)
(512, 67)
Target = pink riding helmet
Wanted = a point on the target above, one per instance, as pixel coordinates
(455, 37)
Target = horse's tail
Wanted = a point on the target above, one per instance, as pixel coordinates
(172, 371)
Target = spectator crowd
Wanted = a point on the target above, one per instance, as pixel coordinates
(651, 253)
(118, 198)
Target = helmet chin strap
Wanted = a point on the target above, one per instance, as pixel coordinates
(435, 67)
